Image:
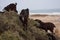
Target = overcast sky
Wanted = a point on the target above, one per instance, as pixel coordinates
(32, 4)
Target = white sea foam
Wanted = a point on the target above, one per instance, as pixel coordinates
(54, 13)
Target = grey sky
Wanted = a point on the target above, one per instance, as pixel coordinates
(32, 4)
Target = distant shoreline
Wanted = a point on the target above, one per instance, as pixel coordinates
(54, 13)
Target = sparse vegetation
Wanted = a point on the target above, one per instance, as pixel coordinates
(11, 28)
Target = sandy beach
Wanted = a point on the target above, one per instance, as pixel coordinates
(49, 18)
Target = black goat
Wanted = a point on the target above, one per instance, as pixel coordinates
(46, 26)
(24, 17)
(11, 7)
